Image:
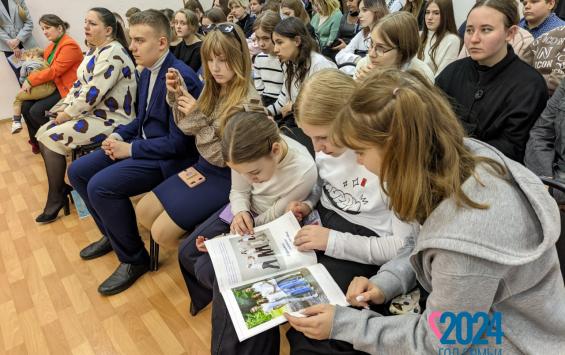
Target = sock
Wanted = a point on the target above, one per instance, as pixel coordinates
(17, 118)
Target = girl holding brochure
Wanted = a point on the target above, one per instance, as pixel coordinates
(486, 247)
(268, 171)
(359, 231)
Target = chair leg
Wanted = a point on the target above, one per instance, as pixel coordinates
(153, 254)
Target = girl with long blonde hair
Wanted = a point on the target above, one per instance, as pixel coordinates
(177, 205)
(485, 219)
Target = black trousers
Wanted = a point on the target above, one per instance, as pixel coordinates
(33, 112)
(14, 69)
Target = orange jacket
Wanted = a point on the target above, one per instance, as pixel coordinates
(63, 68)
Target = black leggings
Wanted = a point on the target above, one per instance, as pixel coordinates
(33, 112)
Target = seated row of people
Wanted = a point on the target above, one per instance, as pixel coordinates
(416, 169)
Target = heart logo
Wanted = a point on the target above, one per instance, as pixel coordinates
(432, 322)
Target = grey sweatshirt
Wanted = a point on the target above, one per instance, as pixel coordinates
(502, 259)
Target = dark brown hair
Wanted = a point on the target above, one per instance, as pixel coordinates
(508, 8)
(446, 26)
(54, 21)
(215, 15)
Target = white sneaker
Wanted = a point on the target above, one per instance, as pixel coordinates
(16, 126)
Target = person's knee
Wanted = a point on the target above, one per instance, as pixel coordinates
(204, 271)
(148, 209)
(36, 114)
(165, 231)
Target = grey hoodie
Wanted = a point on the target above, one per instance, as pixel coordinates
(502, 259)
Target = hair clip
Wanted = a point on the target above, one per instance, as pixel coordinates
(395, 92)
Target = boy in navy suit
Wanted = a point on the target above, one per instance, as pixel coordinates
(136, 157)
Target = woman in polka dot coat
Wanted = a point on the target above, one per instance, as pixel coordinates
(101, 99)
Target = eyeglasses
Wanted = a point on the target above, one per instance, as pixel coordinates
(379, 50)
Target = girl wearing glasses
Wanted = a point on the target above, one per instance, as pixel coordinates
(394, 43)
(439, 42)
(176, 206)
(297, 51)
(370, 12)
(489, 88)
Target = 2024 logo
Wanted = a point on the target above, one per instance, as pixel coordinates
(463, 324)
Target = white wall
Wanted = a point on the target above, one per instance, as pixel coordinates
(461, 8)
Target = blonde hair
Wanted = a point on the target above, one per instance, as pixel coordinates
(35, 52)
(327, 7)
(234, 48)
(322, 96)
(425, 160)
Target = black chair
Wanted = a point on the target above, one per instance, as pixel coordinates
(560, 245)
(84, 150)
(153, 254)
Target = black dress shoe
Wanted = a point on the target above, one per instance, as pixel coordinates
(96, 249)
(124, 276)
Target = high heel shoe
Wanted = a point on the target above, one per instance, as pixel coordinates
(68, 190)
(45, 218)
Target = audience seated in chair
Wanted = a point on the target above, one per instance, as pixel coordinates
(439, 42)
(297, 51)
(265, 179)
(394, 43)
(488, 230)
(175, 207)
(546, 55)
(545, 151)
(101, 99)
(64, 57)
(488, 88)
(370, 12)
(137, 156)
(267, 70)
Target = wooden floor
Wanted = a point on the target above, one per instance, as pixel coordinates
(48, 296)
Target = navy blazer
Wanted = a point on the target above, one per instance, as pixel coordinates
(164, 141)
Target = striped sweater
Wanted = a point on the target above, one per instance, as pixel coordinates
(317, 63)
(268, 75)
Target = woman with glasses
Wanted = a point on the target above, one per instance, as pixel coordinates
(370, 12)
(394, 42)
(176, 205)
(297, 51)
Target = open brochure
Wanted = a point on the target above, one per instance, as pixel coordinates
(263, 276)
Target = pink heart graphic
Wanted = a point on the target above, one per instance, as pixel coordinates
(432, 322)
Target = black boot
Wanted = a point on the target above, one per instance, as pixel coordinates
(57, 198)
(124, 276)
